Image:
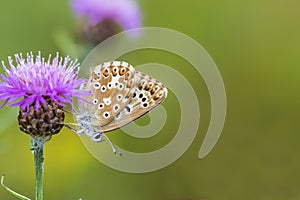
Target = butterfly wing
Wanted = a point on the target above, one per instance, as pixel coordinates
(113, 86)
(148, 94)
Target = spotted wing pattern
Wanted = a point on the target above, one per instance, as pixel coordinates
(114, 86)
(148, 93)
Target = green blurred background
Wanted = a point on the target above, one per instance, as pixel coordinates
(256, 46)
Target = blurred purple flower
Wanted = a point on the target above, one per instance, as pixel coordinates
(124, 12)
(34, 81)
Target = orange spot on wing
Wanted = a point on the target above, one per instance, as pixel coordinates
(122, 71)
(95, 76)
(114, 73)
(105, 73)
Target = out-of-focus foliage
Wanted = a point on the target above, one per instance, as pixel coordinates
(256, 46)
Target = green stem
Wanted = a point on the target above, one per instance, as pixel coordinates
(37, 147)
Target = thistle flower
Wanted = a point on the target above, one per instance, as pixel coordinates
(124, 12)
(41, 88)
(106, 18)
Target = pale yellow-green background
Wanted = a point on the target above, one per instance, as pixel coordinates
(256, 46)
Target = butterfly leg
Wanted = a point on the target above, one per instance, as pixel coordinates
(71, 129)
(98, 137)
(70, 112)
(73, 124)
(115, 150)
(78, 132)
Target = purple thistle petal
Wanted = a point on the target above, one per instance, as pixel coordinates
(124, 12)
(30, 80)
(4, 103)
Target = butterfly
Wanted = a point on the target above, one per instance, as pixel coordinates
(120, 95)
